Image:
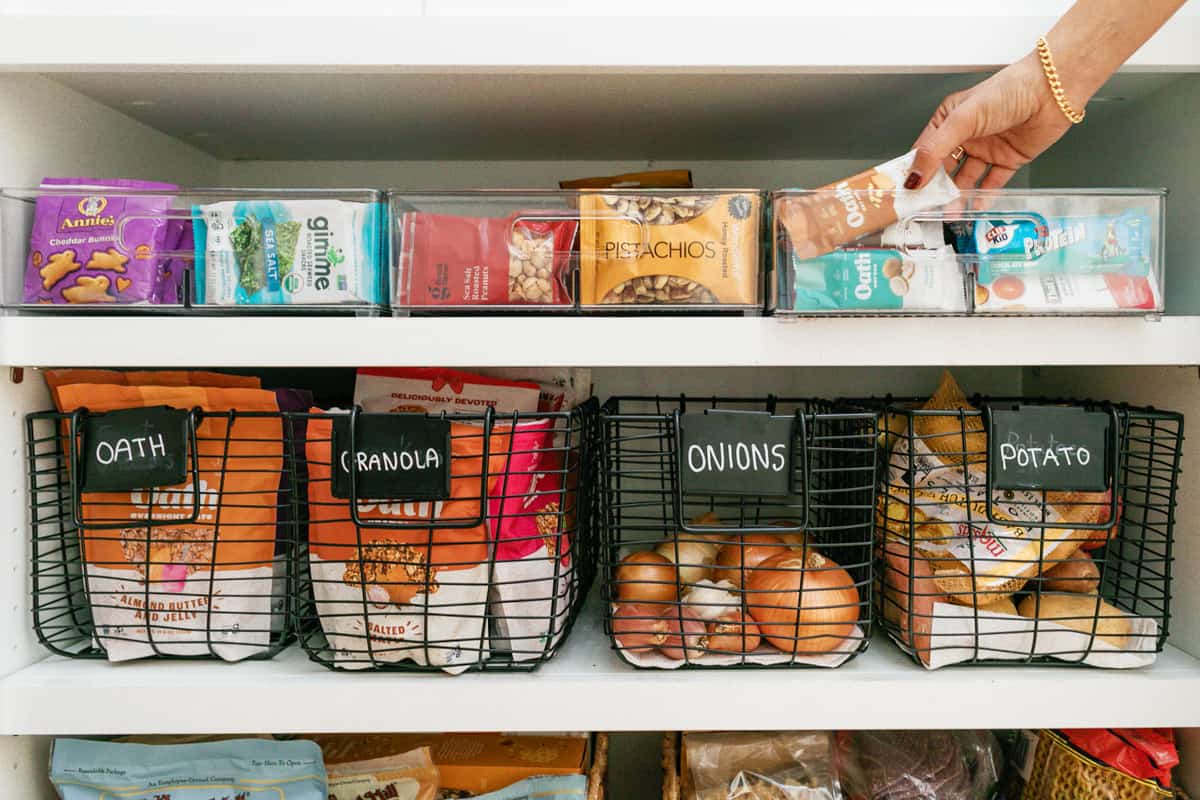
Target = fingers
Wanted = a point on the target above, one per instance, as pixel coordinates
(997, 178)
(971, 172)
(939, 139)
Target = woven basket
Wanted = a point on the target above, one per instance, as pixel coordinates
(599, 771)
(670, 766)
(1060, 772)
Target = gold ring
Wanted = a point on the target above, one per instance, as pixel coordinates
(958, 153)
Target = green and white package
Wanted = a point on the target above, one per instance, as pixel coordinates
(287, 252)
(247, 769)
(879, 280)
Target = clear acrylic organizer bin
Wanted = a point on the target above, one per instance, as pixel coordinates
(607, 251)
(91, 247)
(875, 250)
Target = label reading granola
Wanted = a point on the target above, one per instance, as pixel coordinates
(392, 457)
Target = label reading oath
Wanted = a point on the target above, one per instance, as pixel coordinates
(1058, 448)
(735, 453)
(396, 457)
(135, 448)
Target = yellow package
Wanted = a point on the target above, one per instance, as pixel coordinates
(669, 249)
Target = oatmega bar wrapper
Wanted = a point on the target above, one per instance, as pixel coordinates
(837, 214)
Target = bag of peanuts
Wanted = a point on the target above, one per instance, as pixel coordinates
(522, 259)
(665, 249)
(181, 586)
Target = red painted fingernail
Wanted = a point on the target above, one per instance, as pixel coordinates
(912, 180)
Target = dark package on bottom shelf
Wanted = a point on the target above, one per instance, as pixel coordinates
(737, 532)
(1026, 530)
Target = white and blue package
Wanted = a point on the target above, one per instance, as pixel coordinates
(542, 787)
(288, 252)
(248, 769)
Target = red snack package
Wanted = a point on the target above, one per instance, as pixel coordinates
(1143, 753)
(522, 259)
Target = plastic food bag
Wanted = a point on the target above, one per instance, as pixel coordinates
(247, 769)
(919, 765)
(411, 776)
(760, 766)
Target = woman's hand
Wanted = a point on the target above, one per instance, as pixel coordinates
(1001, 125)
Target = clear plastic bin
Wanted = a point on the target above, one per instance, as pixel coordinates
(599, 251)
(93, 247)
(877, 250)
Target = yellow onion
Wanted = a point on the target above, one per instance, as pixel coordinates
(732, 632)
(639, 627)
(692, 557)
(816, 619)
(647, 577)
(685, 639)
(745, 552)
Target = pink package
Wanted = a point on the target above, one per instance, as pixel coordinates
(78, 251)
(528, 509)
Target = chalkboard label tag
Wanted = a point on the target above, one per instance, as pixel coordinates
(134, 448)
(736, 453)
(399, 457)
(1056, 448)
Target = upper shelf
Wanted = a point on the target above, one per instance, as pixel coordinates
(587, 687)
(683, 341)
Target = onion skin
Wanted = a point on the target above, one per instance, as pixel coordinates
(797, 540)
(686, 643)
(647, 577)
(693, 559)
(816, 620)
(743, 553)
(639, 628)
(733, 632)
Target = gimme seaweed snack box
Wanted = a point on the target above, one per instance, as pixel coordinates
(287, 252)
(245, 769)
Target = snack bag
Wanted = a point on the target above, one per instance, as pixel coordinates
(287, 252)
(389, 595)
(561, 388)
(527, 513)
(839, 213)
(410, 776)
(433, 390)
(879, 280)
(75, 256)
(56, 378)
(1034, 244)
(522, 259)
(1065, 292)
(188, 588)
(542, 787)
(245, 769)
(696, 249)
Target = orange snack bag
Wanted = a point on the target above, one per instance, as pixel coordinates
(401, 577)
(56, 378)
(201, 587)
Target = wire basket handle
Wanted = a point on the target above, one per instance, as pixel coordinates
(431, 523)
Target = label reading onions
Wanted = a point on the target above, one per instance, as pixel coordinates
(735, 453)
(1058, 448)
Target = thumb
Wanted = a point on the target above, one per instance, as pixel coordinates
(936, 143)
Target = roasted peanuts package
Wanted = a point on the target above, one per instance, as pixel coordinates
(433, 390)
(99, 245)
(521, 259)
(245, 769)
(416, 593)
(287, 252)
(820, 221)
(178, 585)
(658, 248)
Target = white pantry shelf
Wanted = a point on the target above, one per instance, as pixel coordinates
(587, 687)
(684, 341)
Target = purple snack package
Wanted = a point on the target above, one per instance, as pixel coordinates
(174, 270)
(74, 255)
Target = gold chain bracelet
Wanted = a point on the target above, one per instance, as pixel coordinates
(1056, 87)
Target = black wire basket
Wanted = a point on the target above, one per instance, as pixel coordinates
(1026, 530)
(737, 532)
(484, 567)
(160, 532)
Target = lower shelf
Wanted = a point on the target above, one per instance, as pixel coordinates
(587, 687)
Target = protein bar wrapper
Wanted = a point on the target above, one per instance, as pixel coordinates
(820, 221)
(287, 252)
(674, 250)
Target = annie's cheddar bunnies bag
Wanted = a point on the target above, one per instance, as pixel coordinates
(665, 249)
(184, 587)
(416, 593)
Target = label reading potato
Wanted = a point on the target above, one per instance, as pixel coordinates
(669, 249)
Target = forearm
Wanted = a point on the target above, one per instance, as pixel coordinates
(1095, 37)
